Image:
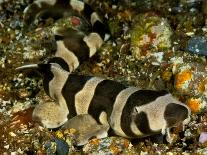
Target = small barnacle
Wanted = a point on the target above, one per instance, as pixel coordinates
(126, 143)
(59, 134)
(202, 86)
(71, 131)
(115, 149)
(95, 141)
(194, 104)
(166, 75)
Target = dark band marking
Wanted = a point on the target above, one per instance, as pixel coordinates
(74, 84)
(61, 62)
(62, 3)
(87, 11)
(78, 47)
(100, 28)
(175, 113)
(139, 98)
(55, 13)
(73, 42)
(45, 70)
(68, 32)
(44, 10)
(104, 98)
(142, 123)
(30, 14)
(58, 37)
(72, 39)
(58, 10)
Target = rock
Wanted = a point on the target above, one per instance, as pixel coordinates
(50, 147)
(194, 104)
(21, 118)
(197, 45)
(56, 146)
(203, 137)
(197, 104)
(108, 145)
(150, 34)
(182, 80)
(75, 21)
(190, 78)
(202, 151)
(62, 147)
(191, 83)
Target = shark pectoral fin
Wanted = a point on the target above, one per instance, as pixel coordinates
(49, 114)
(87, 128)
(80, 122)
(98, 131)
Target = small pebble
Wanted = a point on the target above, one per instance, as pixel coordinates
(62, 146)
(12, 134)
(75, 21)
(6, 146)
(203, 137)
(197, 45)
